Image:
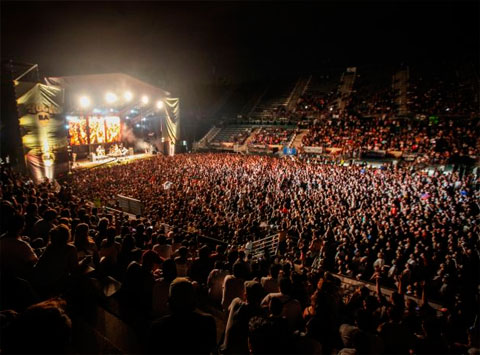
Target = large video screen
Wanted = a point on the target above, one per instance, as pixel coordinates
(94, 129)
(77, 130)
(96, 125)
(112, 129)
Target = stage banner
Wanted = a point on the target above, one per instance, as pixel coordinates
(172, 122)
(42, 127)
(314, 150)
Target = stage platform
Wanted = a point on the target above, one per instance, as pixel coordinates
(87, 164)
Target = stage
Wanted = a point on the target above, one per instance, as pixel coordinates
(87, 164)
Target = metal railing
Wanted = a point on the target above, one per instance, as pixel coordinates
(269, 243)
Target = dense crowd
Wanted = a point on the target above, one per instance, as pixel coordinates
(273, 135)
(397, 227)
(435, 140)
(309, 107)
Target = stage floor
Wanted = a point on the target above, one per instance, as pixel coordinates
(86, 164)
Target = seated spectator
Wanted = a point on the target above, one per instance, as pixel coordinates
(109, 251)
(202, 266)
(215, 282)
(139, 282)
(162, 248)
(270, 283)
(241, 311)
(233, 286)
(17, 257)
(161, 288)
(185, 331)
(43, 328)
(42, 227)
(86, 245)
(58, 263)
(291, 308)
(182, 262)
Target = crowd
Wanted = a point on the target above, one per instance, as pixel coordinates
(442, 96)
(434, 140)
(309, 106)
(394, 226)
(273, 135)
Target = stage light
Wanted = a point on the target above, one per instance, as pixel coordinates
(128, 96)
(145, 99)
(110, 97)
(127, 118)
(160, 104)
(137, 125)
(144, 119)
(66, 126)
(84, 102)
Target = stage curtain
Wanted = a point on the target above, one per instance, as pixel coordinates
(172, 121)
(42, 127)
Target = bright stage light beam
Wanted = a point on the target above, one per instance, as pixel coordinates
(84, 102)
(145, 99)
(160, 104)
(128, 96)
(110, 97)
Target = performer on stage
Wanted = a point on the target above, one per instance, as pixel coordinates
(114, 150)
(123, 150)
(100, 151)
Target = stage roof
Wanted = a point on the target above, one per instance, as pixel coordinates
(95, 86)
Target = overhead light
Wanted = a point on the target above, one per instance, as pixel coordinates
(84, 102)
(160, 104)
(110, 97)
(128, 96)
(145, 99)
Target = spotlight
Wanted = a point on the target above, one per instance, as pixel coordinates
(128, 96)
(160, 104)
(110, 97)
(84, 102)
(145, 99)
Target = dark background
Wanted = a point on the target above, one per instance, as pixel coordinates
(185, 47)
(176, 44)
